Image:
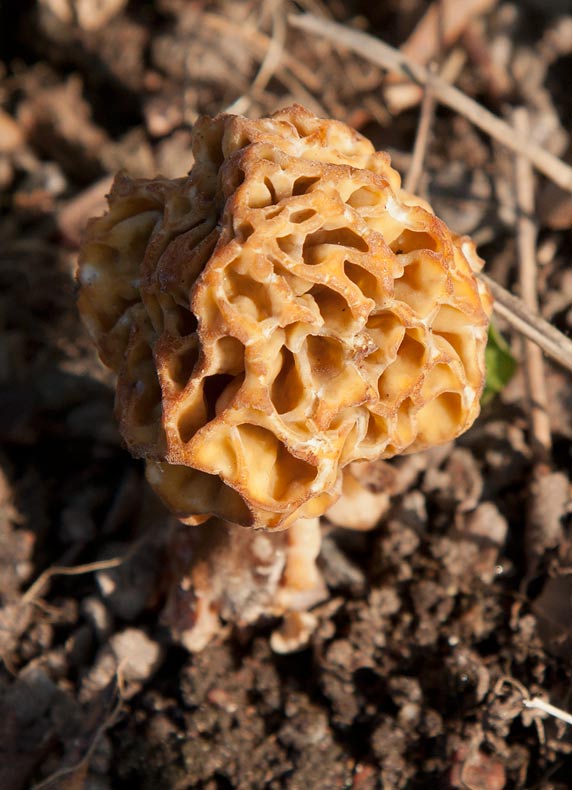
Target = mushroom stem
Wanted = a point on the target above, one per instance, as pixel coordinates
(362, 504)
(224, 572)
(301, 584)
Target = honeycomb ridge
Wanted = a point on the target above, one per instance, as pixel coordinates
(281, 312)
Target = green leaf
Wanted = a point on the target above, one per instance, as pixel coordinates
(501, 365)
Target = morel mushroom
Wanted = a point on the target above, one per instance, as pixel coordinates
(283, 311)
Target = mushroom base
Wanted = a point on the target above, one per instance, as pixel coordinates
(226, 576)
(223, 575)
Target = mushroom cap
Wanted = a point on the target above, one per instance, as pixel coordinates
(283, 311)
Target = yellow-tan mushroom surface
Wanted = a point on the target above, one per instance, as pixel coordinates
(282, 311)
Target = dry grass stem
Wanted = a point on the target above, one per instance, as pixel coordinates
(537, 703)
(402, 95)
(421, 138)
(260, 43)
(442, 24)
(36, 588)
(526, 245)
(388, 57)
(275, 50)
(270, 61)
(531, 703)
(516, 313)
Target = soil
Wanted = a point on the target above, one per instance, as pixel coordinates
(443, 621)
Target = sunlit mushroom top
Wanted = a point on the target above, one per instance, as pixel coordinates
(279, 313)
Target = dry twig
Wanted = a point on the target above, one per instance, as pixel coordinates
(526, 245)
(35, 589)
(275, 50)
(260, 43)
(539, 707)
(402, 94)
(421, 139)
(516, 313)
(270, 61)
(442, 24)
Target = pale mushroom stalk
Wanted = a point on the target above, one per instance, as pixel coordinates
(281, 314)
(222, 572)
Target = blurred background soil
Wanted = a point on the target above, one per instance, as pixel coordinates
(443, 619)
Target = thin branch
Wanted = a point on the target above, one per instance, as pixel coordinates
(36, 588)
(535, 328)
(387, 57)
(270, 60)
(441, 25)
(526, 247)
(259, 42)
(274, 51)
(526, 227)
(421, 138)
(537, 703)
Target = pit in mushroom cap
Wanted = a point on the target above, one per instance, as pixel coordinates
(281, 312)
